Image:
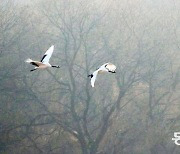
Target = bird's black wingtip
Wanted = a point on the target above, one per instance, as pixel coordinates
(112, 71)
(90, 75)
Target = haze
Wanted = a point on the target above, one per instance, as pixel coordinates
(56, 111)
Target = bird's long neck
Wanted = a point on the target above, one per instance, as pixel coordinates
(56, 66)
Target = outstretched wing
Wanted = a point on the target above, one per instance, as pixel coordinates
(93, 79)
(103, 68)
(47, 55)
(110, 67)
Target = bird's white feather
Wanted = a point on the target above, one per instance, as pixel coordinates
(48, 55)
(93, 79)
(107, 67)
(111, 67)
(103, 68)
(28, 60)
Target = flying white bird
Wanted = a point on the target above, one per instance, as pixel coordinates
(44, 63)
(108, 67)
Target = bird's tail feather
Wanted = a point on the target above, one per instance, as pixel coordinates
(28, 60)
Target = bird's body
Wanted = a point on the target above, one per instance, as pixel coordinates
(44, 63)
(107, 67)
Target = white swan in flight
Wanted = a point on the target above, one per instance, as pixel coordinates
(44, 63)
(108, 67)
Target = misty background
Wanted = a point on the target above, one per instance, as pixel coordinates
(56, 111)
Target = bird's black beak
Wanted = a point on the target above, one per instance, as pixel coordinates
(55, 66)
